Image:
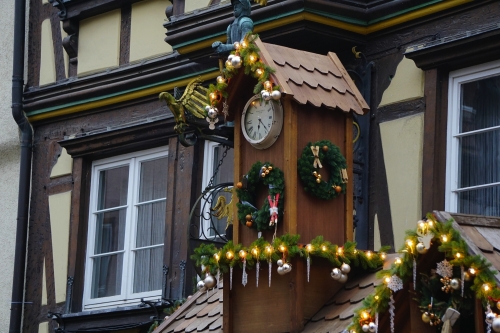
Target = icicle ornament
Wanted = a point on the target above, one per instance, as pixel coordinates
(231, 278)
(244, 276)
(391, 311)
(462, 279)
(270, 271)
(488, 326)
(257, 269)
(308, 267)
(376, 322)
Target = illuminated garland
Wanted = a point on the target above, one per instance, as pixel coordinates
(284, 247)
(246, 55)
(314, 157)
(482, 280)
(248, 214)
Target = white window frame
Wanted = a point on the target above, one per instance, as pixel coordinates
(127, 297)
(456, 79)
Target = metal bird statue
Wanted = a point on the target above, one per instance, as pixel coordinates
(222, 210)
(193, 101)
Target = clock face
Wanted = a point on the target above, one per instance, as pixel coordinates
(261, 122)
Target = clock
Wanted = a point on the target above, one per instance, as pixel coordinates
(262, 121)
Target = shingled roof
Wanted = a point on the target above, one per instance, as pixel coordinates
(202, 313)
(320, 80)
(482, 234)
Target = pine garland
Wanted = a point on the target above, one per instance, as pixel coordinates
(332, 158)
(454, 248)
(252, 65)
(283, 247)
(275, 181)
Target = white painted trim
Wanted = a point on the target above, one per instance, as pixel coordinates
(126, 297)
(456, 79)
(208, 171)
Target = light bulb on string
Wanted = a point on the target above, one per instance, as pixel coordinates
(369, 254)
(259, 71)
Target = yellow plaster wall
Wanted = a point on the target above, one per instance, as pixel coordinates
(47, 60)
(407, 84)
(44, 285)
(99, 42)
(147, 31)
(63, 166)
(402, 142)
(43, 327)
(191, 5)
(59, 209)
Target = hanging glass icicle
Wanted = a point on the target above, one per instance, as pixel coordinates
(376, 322)
(257, 269)
(244, 277)
(462, 278)
(231, 278)
(414, 274)
(308, 267)
(391, 311)
(270, 271)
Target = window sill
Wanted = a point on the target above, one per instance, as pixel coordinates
(141, 315)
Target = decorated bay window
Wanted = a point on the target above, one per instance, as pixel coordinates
(473, 154)
(126, 229)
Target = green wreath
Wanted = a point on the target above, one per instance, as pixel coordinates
(248, 214)
(309, 165)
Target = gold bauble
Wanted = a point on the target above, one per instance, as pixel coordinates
(239, 185)
(466, 276)
(425, 318)
(263, 174)
(319, 176)
(248, 217)
(270, 168)
(498, 305)
(325, 148)
(318, 180)
(266, 172)
(338, 189)
(315, 173)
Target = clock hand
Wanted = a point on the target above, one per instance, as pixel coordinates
(260, 121)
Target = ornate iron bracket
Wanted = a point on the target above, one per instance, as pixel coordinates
(60, 322)
(154, 305)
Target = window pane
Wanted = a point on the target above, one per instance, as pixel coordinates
(107, 276)
(485, 201)
(153, 180)
(148, 269)
(110, 231)
(479, 159)
(113, 188)
(480, 104)
(150, 224)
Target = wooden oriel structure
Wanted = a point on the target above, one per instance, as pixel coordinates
(318, 96)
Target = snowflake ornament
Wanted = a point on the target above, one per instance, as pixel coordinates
(395, 283)
(445, 269)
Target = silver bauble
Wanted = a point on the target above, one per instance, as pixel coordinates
(343, 278)
(209, 281)
(281, 271)
(276, 95)
(200, 285)
(365, 328)
(230, 57)
(212, 113)
(279, 262)
(495, 325)
(455, 284)
(207, 108)
(236, 62)
(287, 268)
(265, 95)
(421, 248)
(372, 327)
(345, 268)
(336, 273)
(490, 316)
